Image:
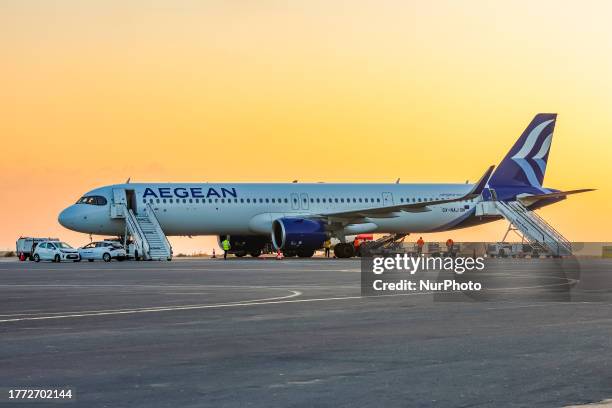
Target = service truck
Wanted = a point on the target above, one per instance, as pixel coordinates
(27, 245)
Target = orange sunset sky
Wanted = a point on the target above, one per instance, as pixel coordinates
(95, 92)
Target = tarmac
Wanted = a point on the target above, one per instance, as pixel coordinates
(265, 333)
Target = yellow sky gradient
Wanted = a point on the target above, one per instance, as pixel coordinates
(95, 92)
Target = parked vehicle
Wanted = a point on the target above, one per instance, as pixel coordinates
(55, 251)
(26, 245)
(131, 250)
(103, 250)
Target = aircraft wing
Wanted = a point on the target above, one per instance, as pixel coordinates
(531, 199)
(392, 211)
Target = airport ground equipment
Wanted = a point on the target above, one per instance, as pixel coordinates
(25, 246)
(148, 236)
(513, 250)
(359, 240)
(434, 249)
(534, 228)
(392, 243)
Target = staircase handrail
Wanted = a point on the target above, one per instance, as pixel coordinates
(137, 232)
(541, 226)
(158, 228)
(543, 222)
(559, 239)
(523, 218)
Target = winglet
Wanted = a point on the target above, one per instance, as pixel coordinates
(479, 187)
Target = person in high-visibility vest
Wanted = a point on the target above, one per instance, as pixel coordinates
(449, 246)
(327, 246)
(226, 247)
(420, 244)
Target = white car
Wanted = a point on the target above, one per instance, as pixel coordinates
(55, 251)
(104, 250)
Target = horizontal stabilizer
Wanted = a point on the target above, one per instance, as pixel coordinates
(531, 199)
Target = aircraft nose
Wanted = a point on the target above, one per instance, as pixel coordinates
(67, 217)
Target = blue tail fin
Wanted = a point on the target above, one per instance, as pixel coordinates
(525, 163)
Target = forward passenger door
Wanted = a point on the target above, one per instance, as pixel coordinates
(119, 202)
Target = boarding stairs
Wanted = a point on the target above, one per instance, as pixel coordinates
(148, 234)
(534, 228)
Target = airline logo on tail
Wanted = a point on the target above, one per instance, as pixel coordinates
(525, 163)
(522, 157)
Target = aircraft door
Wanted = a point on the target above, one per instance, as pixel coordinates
(131, 200)
(304, 201)
(493, 194)
(119, 203)
(295, 201)
(387, 199)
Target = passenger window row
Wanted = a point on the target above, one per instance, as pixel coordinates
(418, 200)
(279, 200)
(343, 200)
(215, 200)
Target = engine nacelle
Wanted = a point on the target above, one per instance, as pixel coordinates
(298, 233)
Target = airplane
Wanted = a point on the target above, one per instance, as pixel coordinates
(298, 218)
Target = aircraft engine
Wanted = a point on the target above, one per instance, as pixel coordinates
(298, 234)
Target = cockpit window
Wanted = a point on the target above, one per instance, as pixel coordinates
(92, 200)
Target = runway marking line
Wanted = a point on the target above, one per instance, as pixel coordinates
(214, 306)
(267, 301)
(152, 308)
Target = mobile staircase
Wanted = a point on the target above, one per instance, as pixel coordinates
(534, 228)
(148, 235)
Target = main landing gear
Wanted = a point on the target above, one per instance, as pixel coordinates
(300, 253)
(253, 252)
(344, 250)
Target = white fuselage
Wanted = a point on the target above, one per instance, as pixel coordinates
(212, 209)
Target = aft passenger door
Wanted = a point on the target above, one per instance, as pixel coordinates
(387, 199)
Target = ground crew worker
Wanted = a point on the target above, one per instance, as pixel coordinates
(226, 247)
(327, 246)
(449, 246)
(420, 244)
